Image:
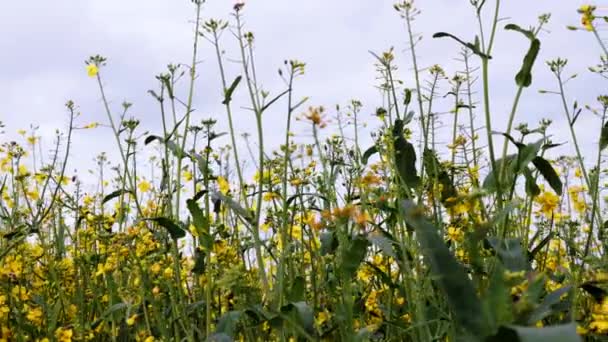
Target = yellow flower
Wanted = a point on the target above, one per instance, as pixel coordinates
(222, 183)
(91, 125)
(63, 335)
(187, 175)
(548, 202)
(588, 16)
(131, 320)
(92, 70)
(144, 186)
(34, 315)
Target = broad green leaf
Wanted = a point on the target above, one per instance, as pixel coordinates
(545, 169)
(510, 253)
(175, 231)
(549, 305)
(329, 243)
(228, 323)
(448, 273)
(303, 313)
(497, 301)
(509, 162)
(353, 256)
(200, 222)
(532, 189)
(297, 291)
(555, 333)
(384, 243)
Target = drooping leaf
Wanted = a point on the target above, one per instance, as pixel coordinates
(200, 222)
(114, 194)
(230, 90)
(405, 157)
(604, 137)
(234, 206)
(329, 243)
(497, 301)
(555, 333)
(540, 246)
(508, 163)
(474, 47)
(436, 171)
(448, 273)
(549, 305)
(510, 253)
(592, 288)
(112, 309)
(151, 138)
(545, 169)
(297, 291)
(175, 231)
(532, 189)
(303, 313)
(382, 242)
(353, 256)
(524, 76)
(368, 153)
(227, 324)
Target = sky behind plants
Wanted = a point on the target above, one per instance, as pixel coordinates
(44, 45)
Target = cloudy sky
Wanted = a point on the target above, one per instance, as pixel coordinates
(44, 45)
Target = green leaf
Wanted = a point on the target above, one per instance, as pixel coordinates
(532, 189)
(540, 246)
(368, 153)
(175, 231)
(545, 169)
(436, 171)
(524, 76)
(297, 291)
(199, 262)
(555, 333)
(526, 33)
(234, 206)
(549, 306)
(405, 157)
(329, 243)
(407, 97)
(448, 273)
(509, 161)
(304, 315)
(228, 92)
(510, 253)
(114, 194)
(228, 323)
(200, 222)
(385, 244)
(353, 256)
(604, 137)
(112, 309)
(497, 301)
(471, 46)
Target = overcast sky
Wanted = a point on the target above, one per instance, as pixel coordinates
(43, 46)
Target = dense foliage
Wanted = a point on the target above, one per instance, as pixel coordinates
(403, 239)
